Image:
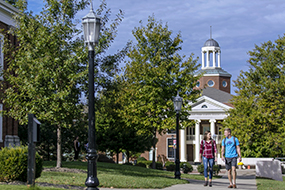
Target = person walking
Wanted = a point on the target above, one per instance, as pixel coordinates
(230, 154)
(208, 150)
(76, 145)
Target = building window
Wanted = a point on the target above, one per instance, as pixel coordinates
(1, 55)
(211, 83)
(225, 83)
(198, 84)
(204, 106)
(1, 123)
(170, 148)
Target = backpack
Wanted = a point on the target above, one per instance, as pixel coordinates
(225, 145)
(212, 147)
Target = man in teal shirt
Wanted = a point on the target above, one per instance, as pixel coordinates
(232, 152)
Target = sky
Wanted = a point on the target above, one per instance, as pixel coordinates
(237, 25)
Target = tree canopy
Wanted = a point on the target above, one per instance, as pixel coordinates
(258, 118)
(47, 71)
(153, 75)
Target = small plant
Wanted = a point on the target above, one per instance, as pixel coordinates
(170, 166)
(141, 159)
(186, 167)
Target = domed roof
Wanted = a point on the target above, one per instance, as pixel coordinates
(211, 42)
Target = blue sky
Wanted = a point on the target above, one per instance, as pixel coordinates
(237, 25)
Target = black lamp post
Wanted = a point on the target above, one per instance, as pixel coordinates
(177, 107)
(91, 26)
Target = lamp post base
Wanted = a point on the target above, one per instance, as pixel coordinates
(92, 181)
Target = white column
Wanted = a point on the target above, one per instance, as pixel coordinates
(203, 59)
(208, 59)
(213, 121)
(183, 146)
(214, 59)
(197, 140)
(219, 58)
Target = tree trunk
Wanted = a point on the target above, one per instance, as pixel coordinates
(117, 159)
(128, 156)
(153, 145)
(58, 162)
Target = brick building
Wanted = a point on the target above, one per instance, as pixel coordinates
(8, 126)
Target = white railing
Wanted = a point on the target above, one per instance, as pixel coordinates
(190, 137)
(218, 138)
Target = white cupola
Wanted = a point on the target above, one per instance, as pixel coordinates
(210, 49)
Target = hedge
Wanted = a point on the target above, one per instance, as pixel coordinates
(14, 164)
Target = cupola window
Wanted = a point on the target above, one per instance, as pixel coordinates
(211, 83)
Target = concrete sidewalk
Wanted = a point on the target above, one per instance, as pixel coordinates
(245, 180)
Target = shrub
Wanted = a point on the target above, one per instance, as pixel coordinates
(169, 163)
(216, 169)
(141, 159)
(140, 164)
(14, 164)
(170, 166)
(186, 167)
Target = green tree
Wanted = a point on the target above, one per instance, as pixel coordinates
(259, 114)
(113, 135)
(48, 70)
(154, 73)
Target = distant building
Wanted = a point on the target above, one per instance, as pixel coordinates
(208, 111)
(8, 126)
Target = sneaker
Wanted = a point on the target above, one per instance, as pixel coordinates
(230, 186)
(210, 184)
(234, 186)
(206, 183)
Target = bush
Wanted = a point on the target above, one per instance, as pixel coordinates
(170, 166)
(186, 167)
(141, 159)
(216, 169)
(169, 163)
(14, 164)
(140, 164)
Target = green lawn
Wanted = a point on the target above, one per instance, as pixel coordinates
(123, 176)
(116, 175)
(267, 184)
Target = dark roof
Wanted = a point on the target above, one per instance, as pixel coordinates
(216, 94)
(218, 71)
(211, 42)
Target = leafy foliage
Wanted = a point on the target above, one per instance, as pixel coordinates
(258, 117)
(113, 134)
(14, 164)
(154, 74)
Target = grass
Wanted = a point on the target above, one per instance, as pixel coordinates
(267, 184)
(116, 175)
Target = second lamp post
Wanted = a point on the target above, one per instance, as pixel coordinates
(91, 26)
(177, 108)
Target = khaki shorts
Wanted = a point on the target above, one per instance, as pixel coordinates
(231, 162)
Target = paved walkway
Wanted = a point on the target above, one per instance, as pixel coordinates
(245, 180)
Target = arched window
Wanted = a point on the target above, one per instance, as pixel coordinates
(204, 106)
